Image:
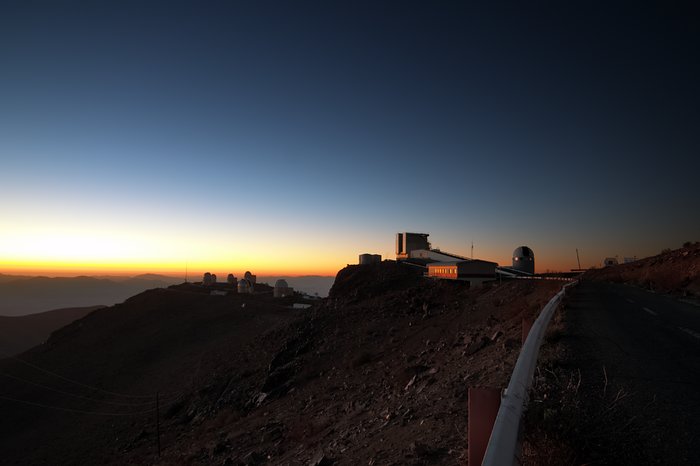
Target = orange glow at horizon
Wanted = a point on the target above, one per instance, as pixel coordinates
(107, 250)
(77, 251)
(193, 269)
(196, 268)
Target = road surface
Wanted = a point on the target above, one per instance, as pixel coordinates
(648, 346)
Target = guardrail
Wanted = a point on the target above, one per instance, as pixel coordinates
(503, 442)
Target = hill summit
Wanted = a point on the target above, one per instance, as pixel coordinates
(377, 373)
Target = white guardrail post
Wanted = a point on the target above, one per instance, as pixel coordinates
(503, 443)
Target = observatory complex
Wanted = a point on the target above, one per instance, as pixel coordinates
(415, 249)
(244, 285)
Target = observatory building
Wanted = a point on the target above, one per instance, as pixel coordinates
(407, 242)
(610, 261)
(206, 279)
(473, 271)
(244, 286)
(415, 248)
(252, 279)
(231, 280)
(282, 289)
(524, 260)
(366, 259)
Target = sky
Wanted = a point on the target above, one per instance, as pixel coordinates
(289, 137)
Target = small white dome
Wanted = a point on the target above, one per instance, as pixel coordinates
(281, 284)
(244, 286)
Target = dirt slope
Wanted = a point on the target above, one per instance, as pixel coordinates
(173, 341)
(375, 374)
(378, 374)
(675, 272)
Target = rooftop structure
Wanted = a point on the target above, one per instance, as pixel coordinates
(407, 242)
(366, 259)
(435, 255)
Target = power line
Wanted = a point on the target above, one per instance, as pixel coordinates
(91, 387)
(71, 410)
(46, 387)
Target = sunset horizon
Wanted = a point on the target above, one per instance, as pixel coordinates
(262, 139)
(194, 269)
(349, 233)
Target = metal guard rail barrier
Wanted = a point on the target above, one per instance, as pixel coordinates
(501, 449)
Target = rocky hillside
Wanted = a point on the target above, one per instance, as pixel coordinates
(675, 271)
(375, 374)
(20, 333)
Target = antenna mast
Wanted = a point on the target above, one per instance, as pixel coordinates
(578, 260)
(472, 250)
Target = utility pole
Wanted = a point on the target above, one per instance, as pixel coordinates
(158, 422)
(578, 260)
(472, 250)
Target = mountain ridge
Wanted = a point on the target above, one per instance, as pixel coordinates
(245, 379)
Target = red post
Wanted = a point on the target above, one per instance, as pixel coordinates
(483, 407)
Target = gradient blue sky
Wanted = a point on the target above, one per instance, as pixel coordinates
(288, 137)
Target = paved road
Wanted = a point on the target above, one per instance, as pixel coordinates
(649, 345)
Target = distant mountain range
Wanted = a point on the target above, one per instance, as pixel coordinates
(28, 295)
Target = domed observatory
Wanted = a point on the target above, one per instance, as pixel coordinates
(206, 279)
(231, 280)
(244, 286)
(524, 260)
(250, 277)
(282, 289)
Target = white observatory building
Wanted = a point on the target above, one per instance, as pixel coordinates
(244, 286)
(366, 259)
(282, 289)
(524, 260)
(252, 279)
